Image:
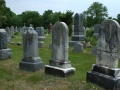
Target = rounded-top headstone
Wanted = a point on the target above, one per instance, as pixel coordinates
(108, 44)
(3, 39)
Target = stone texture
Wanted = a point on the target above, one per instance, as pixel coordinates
(40, 31)
(40, 44)
(8, 34)
(30, 61)
(5, 52)
(94, 50)
(105, 72)
(78, 47)
(3, 39)
(105, 81)
(59, 50)
(79, 32)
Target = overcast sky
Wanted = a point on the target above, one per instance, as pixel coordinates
(77, 6)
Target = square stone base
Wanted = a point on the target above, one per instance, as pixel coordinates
(59, 71)
(41, 38)
(105, 81)
(71, 43)
(29, 66)
(5, 53)
(40, 44)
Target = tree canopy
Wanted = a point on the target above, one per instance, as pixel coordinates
(95, 14)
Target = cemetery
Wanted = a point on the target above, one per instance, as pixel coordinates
(26, 66)
(59, 51)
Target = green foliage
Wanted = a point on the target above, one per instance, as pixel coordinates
(31, 17)
(118, 18)
(91, 38)
(95, 14)
(16, 33)
(89, 33)
(68, 19)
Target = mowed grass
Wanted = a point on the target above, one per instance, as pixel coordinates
(12, 78)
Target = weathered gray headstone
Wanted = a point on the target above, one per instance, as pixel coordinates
(78, 47)
(31, 60)
(40, 31)
(8, 34)
(79, 32)
(22, 30)
(96, 29)
(106, 72)
(59, 64)
(12, 31)
(5, 53)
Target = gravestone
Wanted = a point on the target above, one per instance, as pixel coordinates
(59, 64)
(40, 31)
(40, 44)
(50, 29)
(96, 29)
(22, 30)
(12, 31)
(31, 60)
(79, 31)
(105, 72)
(5, 53)
(8, 34)
(78, 47)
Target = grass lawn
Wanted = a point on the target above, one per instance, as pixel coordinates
(12, 78)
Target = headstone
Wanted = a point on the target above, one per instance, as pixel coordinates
(50, 29)
(40, 44)
(31, 60)
(96, 29)
(5, 53)
(8, 34)
(79, 32)
(22, 30)
(16, 29)
(59, 64)
(40, 31)
(78, 47)
(12, 31)
(105, 72)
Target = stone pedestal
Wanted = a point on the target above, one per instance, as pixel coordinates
(31, 64)
(5, 53)
(41, 38)
(78, 47)
(59, 71)
(79, 33)
(40, 44)
(105, 72)
(31, 60)
(59, 64)
(105, 81)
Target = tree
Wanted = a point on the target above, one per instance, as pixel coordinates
(118, 18)
(96, 13)
(31, 17)
(2, 5)
(46, 18)
(68, 19)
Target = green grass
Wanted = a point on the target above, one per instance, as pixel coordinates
(12, 78)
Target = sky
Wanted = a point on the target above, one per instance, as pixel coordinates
(77, 6)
